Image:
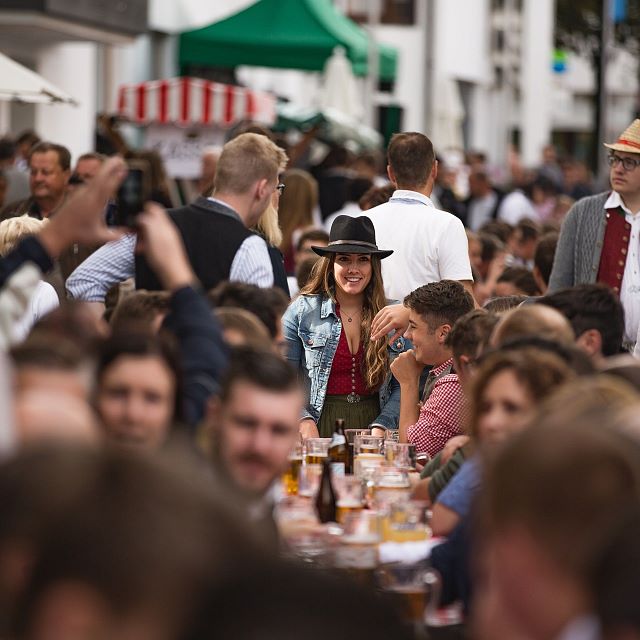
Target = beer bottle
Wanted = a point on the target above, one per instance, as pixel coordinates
(326, 498)
(338, 452)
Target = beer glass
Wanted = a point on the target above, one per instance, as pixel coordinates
(357, 554)
(414, 589)
(309, 480)
(300, 531)
(391, 435)
(367, 453)
(290, 476)
(390, 485)
(400, 454)
(317, 450)
(350, 496)
(351, 435)
(405, 521)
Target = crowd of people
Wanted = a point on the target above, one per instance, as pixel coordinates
(154, 380)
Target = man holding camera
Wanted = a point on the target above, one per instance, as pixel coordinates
(215, 230)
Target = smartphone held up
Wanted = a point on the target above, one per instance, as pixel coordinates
(134, 191)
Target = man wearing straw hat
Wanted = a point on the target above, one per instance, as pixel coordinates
(600, 237)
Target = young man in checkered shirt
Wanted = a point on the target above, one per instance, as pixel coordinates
(433, 310)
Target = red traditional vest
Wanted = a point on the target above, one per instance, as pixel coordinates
(614, 249)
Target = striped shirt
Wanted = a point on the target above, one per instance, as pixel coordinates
(115, 262)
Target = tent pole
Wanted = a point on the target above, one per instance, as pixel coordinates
(374, 9)
(429, 67)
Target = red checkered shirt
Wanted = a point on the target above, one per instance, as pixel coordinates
(440, 416)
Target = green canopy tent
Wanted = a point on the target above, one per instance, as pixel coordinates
(288, 34)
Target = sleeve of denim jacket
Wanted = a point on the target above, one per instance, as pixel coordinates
(390, 412)
(295, 349)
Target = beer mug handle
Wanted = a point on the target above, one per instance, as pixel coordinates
(433, 582)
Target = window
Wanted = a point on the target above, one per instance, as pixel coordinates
(402, 12)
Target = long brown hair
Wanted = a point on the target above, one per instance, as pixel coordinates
(295, 210)
(322, 281)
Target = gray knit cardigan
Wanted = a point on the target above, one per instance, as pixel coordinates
(580, 245)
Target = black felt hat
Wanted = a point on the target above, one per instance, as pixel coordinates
(352, 235)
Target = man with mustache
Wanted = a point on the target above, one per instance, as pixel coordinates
(254, 424)
(50, 168)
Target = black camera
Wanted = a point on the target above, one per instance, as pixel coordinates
(134, 191)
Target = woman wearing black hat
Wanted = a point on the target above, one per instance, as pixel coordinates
(328, 329)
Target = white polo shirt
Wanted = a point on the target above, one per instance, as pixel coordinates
(429, 244)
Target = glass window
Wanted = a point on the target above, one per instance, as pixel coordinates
(401, 12)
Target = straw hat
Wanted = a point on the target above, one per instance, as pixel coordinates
(629, 139)
(352, 235)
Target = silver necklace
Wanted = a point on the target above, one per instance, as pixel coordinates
(350, 318)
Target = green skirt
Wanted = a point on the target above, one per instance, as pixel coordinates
(357, 415)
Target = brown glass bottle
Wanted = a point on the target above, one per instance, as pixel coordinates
(338, 451)
(326, 499)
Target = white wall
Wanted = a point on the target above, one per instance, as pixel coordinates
(172, 16)
(574, 89)
(132, 63)
(536, 78)
(72, 67)
(410, 86)
(462, 40)
(300, 87)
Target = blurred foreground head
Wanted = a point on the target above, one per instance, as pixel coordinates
(533, 320)
(506, 389)
(139, 388)
(274, 603)
(468, 339)
(53, 381)
(254, 421)
(112, 544)
(552, 496)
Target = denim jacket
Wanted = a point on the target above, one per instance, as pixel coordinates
(312, 330)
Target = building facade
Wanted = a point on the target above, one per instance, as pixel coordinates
(472, 74)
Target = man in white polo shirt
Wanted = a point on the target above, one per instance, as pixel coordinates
(429, 245)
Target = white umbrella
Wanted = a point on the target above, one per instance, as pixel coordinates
(23, 85)
(449, 116)
(340, 91)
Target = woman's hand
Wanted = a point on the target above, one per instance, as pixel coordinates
(309, 429)
(379, 432)
(394, 317)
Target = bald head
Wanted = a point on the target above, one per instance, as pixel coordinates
(534, 320)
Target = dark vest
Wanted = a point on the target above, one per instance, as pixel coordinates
(212, 234)
(431, 382)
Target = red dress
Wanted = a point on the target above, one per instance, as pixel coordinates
(346, 371)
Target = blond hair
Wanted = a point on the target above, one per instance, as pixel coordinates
(245, 160)
(376, 359)
(269, 227)
(15, 229)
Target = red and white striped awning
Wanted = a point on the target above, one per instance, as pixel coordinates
(192, 101)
